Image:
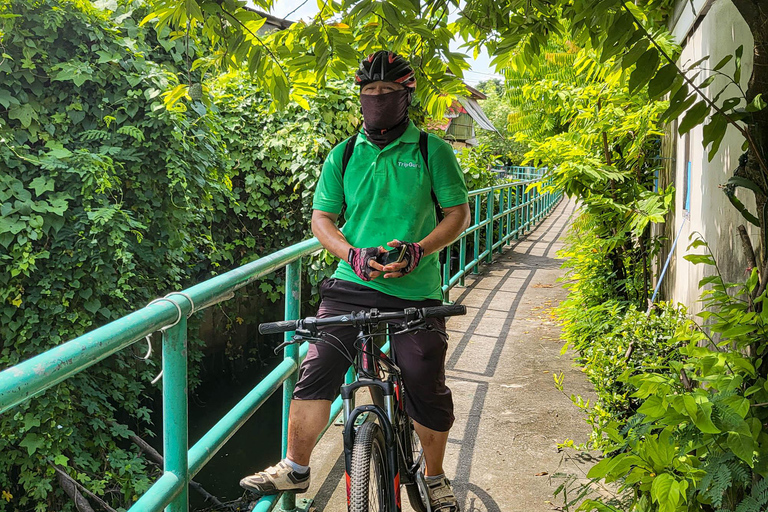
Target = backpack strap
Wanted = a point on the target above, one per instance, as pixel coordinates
(424, 147)
(349, 148)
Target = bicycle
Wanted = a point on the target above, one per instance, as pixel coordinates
(383, 452)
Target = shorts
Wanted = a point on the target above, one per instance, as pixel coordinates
(420, 355)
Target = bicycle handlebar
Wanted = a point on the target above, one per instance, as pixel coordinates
(360, 318)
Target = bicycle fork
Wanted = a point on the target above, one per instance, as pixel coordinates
(386, 418)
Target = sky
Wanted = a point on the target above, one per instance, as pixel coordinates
(295, 10)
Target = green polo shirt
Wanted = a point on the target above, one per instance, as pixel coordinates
(388, 197)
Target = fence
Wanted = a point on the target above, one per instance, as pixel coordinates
(501, 213)
(516, 172)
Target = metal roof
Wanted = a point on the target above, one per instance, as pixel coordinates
(476, 112)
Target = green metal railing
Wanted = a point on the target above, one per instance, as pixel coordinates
(517, 172)
(501, 213)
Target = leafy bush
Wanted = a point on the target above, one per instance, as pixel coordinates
(106, 201)
(476, 162)
(697, 441)
(636, 343)
(109, 199)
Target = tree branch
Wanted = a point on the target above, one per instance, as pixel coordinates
(156, 457)
(73, 488)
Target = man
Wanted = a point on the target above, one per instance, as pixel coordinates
(388, 193)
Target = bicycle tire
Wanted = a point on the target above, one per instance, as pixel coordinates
(370, 488)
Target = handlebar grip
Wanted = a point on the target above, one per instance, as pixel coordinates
(443, 311)
(282, 326)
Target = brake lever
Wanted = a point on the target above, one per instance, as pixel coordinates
(296, 338)
(421, 327)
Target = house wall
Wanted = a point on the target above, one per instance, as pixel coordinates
(716, 29)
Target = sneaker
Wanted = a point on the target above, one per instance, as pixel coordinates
(441, 497)
(275, 479)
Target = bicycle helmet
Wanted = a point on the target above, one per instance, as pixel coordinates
(385, 66)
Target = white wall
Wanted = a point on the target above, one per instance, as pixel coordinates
(718, 34)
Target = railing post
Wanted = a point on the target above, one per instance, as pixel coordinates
(510, 227)
(526, 209)
(476, 268)
(292, 312)
(489, 227)
(175, 413)
(462, 259)
(501, 221)
(446, 270)
(518, 202)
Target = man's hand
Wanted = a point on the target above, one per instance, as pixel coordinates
(413, 254)
(363, 262)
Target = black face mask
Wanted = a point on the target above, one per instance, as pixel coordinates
(385, 116)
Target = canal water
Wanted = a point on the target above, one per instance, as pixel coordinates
(254, 447)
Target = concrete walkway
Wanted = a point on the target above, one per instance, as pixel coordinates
(502, 357)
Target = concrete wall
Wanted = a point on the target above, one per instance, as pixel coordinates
(716, 29)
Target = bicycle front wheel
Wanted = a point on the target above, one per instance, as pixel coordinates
(370, 489)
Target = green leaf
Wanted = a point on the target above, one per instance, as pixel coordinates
(725, 60)
(92, 306)
(739, 181)
(737, 73)
(700, 258)
(662, 82)
(707, 82)
(653, 407)
(30, 420)
(11, 225)
(738, 330)
(621, 30)
(644, 69)
(713, 132)
(41, 185)
(61, 460)
(664, 490)
(24, 114)
(693, 117)
(757, 104)
(742, 446)
(738, 404)
(32, 442)
(752, 219)
(678, 104)
(6, 100)
(634, 53)
(602, 468)
(703, 419)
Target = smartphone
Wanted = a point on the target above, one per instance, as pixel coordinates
(394, 256)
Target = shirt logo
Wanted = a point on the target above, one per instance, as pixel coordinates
(408, 164)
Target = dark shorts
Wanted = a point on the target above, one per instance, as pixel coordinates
(420, 355)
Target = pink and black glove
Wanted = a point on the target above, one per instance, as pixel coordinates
(413, 254)
(358, 259)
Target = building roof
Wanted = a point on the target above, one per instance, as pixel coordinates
(474, 93)
(476, 113)
(272, 22)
